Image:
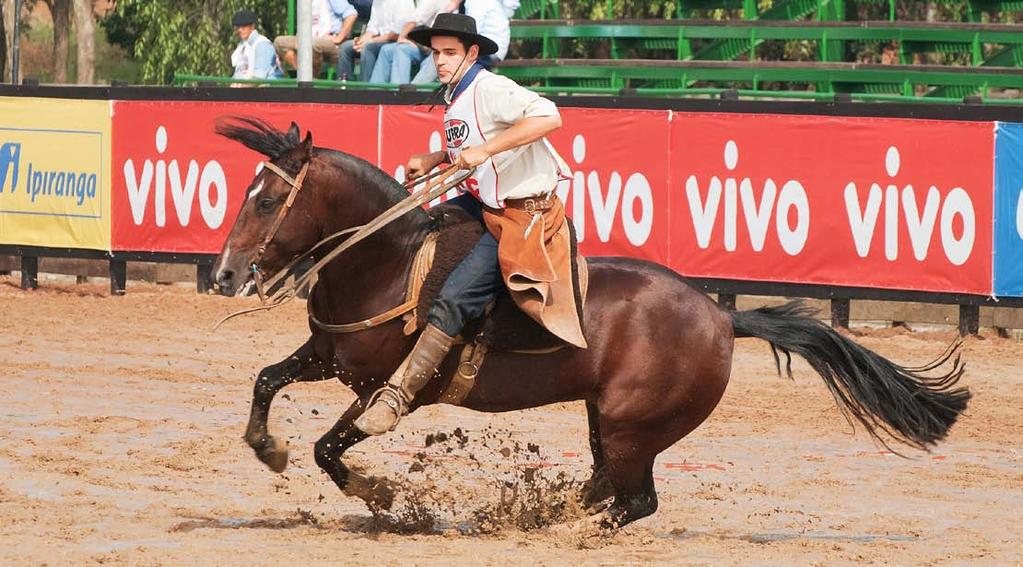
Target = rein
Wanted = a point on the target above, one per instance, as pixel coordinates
(437, 183)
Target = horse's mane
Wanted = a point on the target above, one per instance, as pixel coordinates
(260, 136)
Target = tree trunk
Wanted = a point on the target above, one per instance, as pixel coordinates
(61, 12)
(85, 26)
(3, 45)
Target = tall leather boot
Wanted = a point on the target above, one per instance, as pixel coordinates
(390, 403)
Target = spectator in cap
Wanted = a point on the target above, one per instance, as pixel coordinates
(333, 21)
(254, 58)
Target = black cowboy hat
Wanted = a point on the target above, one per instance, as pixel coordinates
(453, 25)
(243, 18)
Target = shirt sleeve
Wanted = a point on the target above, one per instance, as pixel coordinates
(376, 18)
(265, 55)
(403, 12)
(341, 10)
(505, 102)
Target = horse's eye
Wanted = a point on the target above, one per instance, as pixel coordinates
(265, 204)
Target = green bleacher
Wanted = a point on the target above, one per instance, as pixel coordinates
(737, 52)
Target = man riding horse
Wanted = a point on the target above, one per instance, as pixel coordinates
(497, 127)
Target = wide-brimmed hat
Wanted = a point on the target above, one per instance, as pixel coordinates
(244, 18)
(453, 25)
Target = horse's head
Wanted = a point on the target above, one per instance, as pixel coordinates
(274, 224)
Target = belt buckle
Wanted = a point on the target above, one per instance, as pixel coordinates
(530, 206)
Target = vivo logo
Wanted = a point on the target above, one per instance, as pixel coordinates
(207, 184)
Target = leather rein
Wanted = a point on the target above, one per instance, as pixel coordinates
(437, 183)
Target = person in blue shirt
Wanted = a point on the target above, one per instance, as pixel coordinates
(254, 58)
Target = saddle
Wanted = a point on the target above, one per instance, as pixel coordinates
(504, 328)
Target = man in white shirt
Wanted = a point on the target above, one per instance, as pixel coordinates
(395, 62)
(495, 126)
(333, 21)
(492, 23)
(385, 23)
(254, 57)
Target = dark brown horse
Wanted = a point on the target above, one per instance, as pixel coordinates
(659, 351)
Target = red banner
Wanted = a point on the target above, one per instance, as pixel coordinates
(869, 202)
(177, 186)
(617, 197)
(902, 204)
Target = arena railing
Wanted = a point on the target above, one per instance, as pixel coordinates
(660, 92)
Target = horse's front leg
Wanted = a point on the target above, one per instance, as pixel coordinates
(302, 366)
(377, 493)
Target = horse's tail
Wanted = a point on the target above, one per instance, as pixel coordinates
(903, 402)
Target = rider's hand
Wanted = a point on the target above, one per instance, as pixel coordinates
(421, 164)
(337, 38)
(471, 157)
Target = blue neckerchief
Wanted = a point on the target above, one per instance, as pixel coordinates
(467, 79)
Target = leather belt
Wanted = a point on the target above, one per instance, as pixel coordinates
(530, 205)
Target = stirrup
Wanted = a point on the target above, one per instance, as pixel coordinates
(393, 397)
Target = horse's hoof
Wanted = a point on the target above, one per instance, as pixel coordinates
(593, 508)
(377, 492)
(274, 454)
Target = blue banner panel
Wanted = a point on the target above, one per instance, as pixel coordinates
(1008, 261)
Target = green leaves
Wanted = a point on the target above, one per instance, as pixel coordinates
(186, 36)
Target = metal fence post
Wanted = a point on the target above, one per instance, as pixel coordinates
(29, 272)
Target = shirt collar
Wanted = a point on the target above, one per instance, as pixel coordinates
(467, 79)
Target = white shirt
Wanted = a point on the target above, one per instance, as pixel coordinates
(509, 7)
(490, 105)
(491, 23)
(427, 10)
(389, 16)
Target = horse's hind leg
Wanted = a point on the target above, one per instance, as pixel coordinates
(375, 492)
(302, 366)
(629, 467)
(598, 488)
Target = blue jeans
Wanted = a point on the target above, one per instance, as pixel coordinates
(394, 64)
(367, 60)
(472, 285)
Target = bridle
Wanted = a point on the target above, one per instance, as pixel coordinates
(437, 183)
(296, 186)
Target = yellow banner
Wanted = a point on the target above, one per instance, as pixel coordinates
(55, 172)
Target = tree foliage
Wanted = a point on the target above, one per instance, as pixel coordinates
(185, 36)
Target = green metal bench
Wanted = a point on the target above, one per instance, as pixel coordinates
(836, 77)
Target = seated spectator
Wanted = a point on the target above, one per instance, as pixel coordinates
(254, 58)
(333, 21)
(385, 23)
(491, 22)
(363, 7)
(395, 62)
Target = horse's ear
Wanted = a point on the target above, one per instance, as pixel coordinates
(294, 134)
(307, 144)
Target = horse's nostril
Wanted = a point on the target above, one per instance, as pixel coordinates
(225, 277)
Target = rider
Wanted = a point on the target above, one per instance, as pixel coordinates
(498, 127)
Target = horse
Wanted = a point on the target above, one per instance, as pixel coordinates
(659, 354)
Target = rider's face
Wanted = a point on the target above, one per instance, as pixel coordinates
(451, 58)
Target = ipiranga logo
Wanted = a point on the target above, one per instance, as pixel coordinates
(64, 187)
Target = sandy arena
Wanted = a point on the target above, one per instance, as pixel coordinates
(122, 421)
